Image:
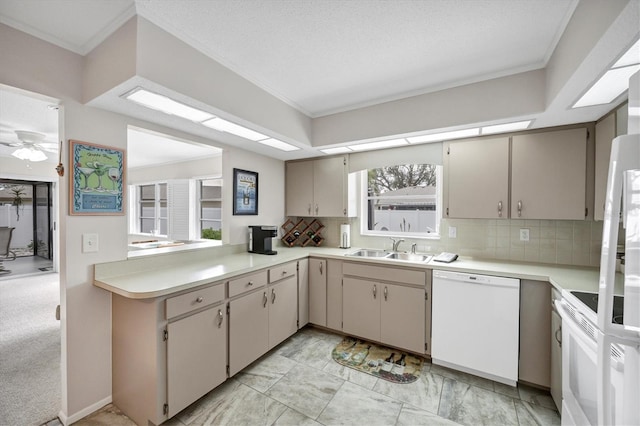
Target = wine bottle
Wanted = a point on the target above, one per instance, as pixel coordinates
(401, 361)
(390, 359)
(360, 356)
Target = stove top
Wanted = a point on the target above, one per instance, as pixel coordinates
(591, 301)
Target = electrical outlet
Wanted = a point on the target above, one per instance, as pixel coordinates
(453, 232)
(524, 234)
(89, 243)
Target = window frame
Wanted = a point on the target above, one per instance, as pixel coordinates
(364, 217)
(157, 209)
(200, 219)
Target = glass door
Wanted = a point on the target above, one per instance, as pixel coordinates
(42, 201)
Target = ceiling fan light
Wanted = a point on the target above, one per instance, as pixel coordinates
(30, 154)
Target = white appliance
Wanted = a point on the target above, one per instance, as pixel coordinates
(601, 331)
(475, 324)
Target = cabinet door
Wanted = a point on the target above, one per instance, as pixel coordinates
(556, 359)
(318, 292)
(605, 133)
(361, 308)
(299, 188)
(283, 315)
(248, 329)
(478, 178)
(402, 317)
(548, 175)
(334, 294)
(329, 187)
(196, 357)
(303, 292)
(427, 314)
(535, 330)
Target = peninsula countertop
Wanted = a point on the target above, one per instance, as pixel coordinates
(162, 275)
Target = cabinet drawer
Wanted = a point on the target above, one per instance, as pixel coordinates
(247, 283)
(384, 273)
(193, 300)
(280, 272)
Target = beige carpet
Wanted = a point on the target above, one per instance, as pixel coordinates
(29, 350)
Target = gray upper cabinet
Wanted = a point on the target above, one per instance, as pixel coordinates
(318, 188)
(605, 132)
(548, 175)
(477, 178)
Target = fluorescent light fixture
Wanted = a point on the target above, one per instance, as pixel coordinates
(631, 56)
(29, 153)
(506, 127)
(338, 150)
(275, 143)
(378, 145)
(166, 105)
(436, 137)
(233, 128)
(611, 85)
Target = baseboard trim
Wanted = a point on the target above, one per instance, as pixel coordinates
(67, 420)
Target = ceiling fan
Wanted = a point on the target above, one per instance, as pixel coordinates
(31, 145)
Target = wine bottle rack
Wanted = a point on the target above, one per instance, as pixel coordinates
(302, 233)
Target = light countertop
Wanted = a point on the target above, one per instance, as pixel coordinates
(162, 275)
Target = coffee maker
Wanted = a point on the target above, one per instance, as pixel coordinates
(260, 239)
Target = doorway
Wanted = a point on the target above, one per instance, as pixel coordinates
(27, 206)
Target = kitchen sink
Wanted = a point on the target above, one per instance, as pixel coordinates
(409, 257)
(369, 253)
(381, 254)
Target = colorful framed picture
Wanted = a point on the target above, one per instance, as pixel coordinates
(245, 192)
(97, 179)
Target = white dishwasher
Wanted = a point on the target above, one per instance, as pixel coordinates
(475, 324)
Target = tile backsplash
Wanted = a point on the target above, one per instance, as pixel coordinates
(550, 241)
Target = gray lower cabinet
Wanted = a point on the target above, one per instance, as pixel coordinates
(318, 291)
(378, 309)
(535, 332)
(556, 354)
(260, 319)
(167, 351)
(196, 357)
(303, 292)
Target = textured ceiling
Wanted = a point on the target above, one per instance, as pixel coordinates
(328, 56)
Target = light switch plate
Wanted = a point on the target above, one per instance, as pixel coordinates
(453, 232)
(89, 243)
(524, 234)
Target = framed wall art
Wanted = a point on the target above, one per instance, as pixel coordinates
(97, 179)
(245, 192)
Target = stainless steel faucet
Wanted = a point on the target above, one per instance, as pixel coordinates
(413, 248)
(396, 243)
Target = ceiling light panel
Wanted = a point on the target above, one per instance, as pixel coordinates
(30, 154)
(166, 105)
(631, 56)
(235, 129)
(436, 137)
(378, 145)
(506, 127)
(275, 143)
(611, 85)
(338, 150)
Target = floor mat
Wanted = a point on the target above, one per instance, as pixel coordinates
(379, 361)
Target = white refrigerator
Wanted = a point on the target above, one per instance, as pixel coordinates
(623, 183)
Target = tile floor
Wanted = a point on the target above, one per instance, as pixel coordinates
(298, 383)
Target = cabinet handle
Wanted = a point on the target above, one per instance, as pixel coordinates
(375, 291)
(321, 268)
(385, 293)
(559, 340)
(250, 284)
(264, 299)
(519, 208)
(499, 208)
(316, 209)
(284, 272)
(309, 209)
(273, 296)
(199, 299)
(220, 318)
